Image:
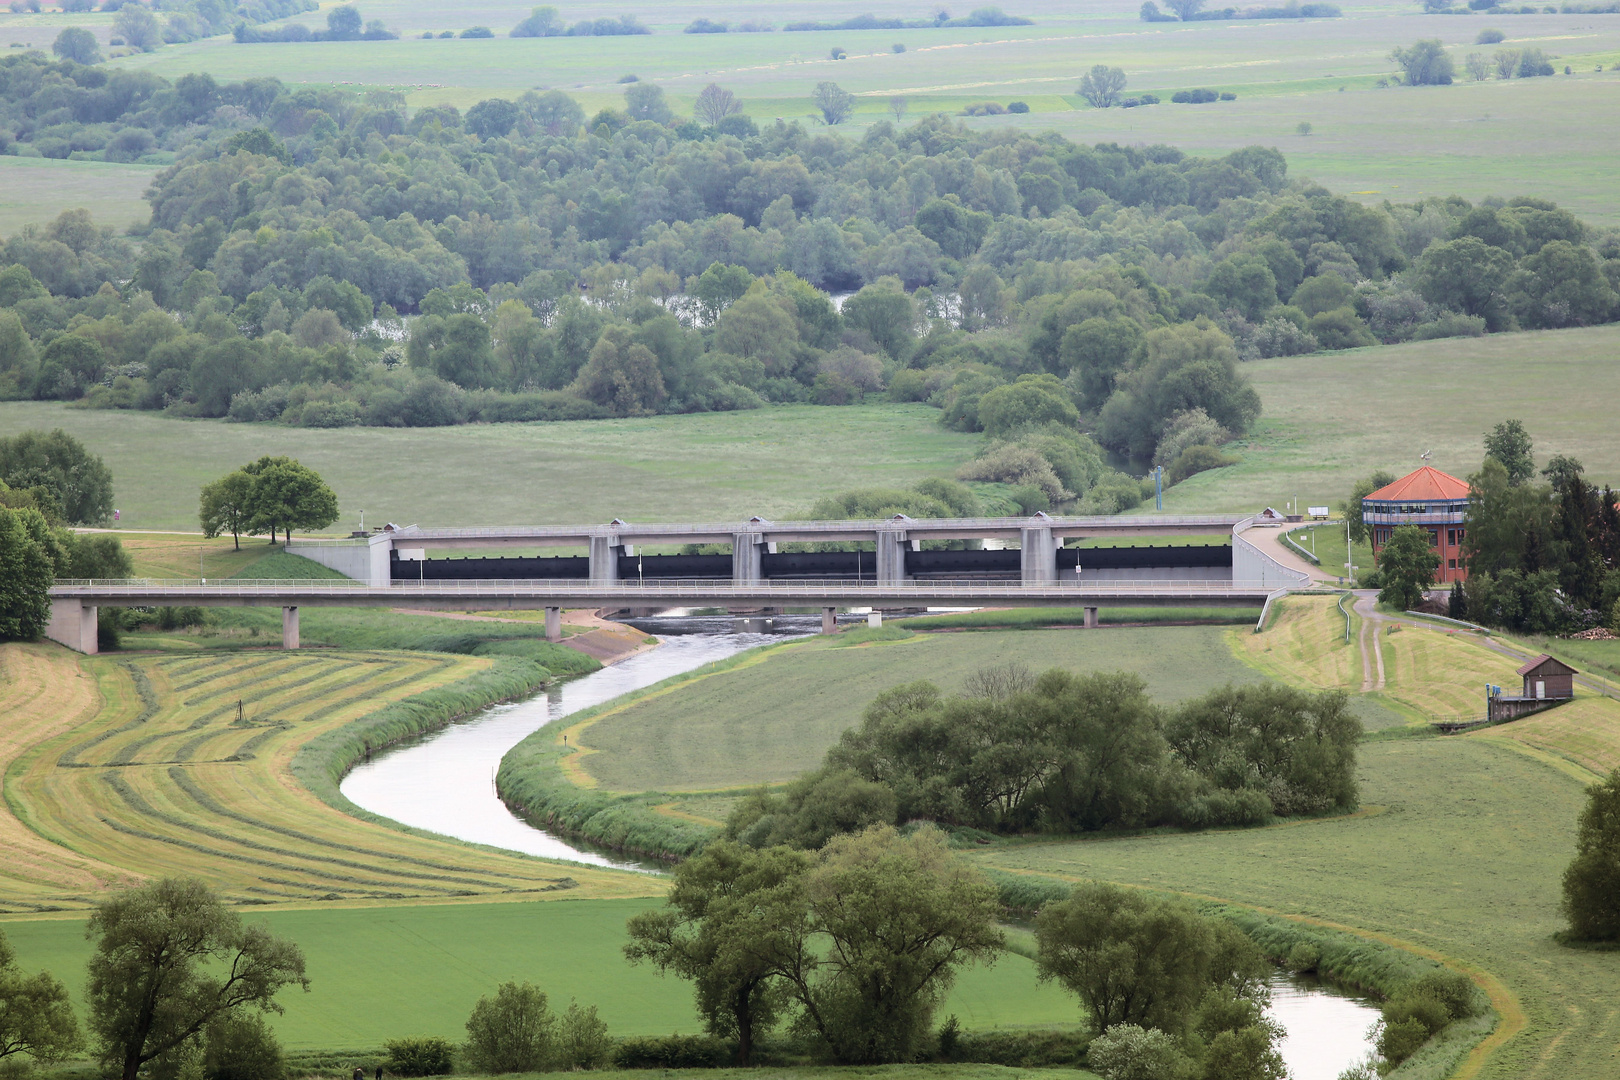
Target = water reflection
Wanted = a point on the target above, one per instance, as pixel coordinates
(1327, 1027)
(445, 782)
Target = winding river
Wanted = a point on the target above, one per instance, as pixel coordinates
(444, 782)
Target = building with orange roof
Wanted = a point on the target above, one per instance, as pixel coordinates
(1429, 499)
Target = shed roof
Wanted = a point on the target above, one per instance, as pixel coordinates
(1546, 665)
(1427, 483)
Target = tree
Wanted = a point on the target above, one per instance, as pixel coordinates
(1407, 564)
(1425, 63)
(1510, 444)
(1592, 881)
(343, 23)
(622, 375)
(1353, 508)
(720, 286)
(834, 101)
(511, 1033)
(733, 923)
(1478, 68)
(1466, 275)
(27, 570)
(542, 22)
(138, 27)
(77, 44)
(1032, 401)
(553, 112)
(645, 101)
(170, 958)
(492, 118)
(1102, 85)
(226, 505)
(957, 229)
(78, 481)
(1185, 8)
(286, 495)
(714, 104)
(36, 1014)
(901, 914)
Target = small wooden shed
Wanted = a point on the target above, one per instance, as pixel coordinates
(1546, 679)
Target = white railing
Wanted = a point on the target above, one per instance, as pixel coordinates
(631, 530)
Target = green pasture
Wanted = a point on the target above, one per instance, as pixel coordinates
(1332, 418)
(1460, 852)
(34, 190)
(388, 972)
(771, 720)
(1327, 542)
(1038, 618)
(704, 467)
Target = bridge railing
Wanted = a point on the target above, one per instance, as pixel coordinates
(136, 587)
(629, 530)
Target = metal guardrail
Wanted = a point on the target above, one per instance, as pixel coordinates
(631, 530)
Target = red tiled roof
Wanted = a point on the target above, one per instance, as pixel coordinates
(1425, 484)
(1551, 666)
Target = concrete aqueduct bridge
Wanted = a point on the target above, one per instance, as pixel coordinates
(390, 569)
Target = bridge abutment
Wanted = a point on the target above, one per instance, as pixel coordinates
(1037, 556)
(289, 627)
(892, 546)
(747, 563)
(73, 624)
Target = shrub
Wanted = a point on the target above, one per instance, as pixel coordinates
(672, 1052)
(1190, 427)
(513, 1032)
(1017, 107)
(1490, 37)
(1227, 95)
(1281, 337)
(1128, 1052)
(241, 1046)
(476, 32)
(1016, 465)
(1303, 958)
(1194, 97)
(583, 1041)
(427, 1055)
(1592, 881)
(1340, 328)
(1197, 459)
(1397, 1042)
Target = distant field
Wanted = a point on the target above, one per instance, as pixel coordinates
(705, 467)
(772, 720)
(1374, 143)
(1333, 418)
(34, 190)
(1462, 856)
(384, 973)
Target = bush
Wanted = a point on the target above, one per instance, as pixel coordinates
(477, 32)
(1592, 881)
(513, 1032)
(672, 1052)
(1017, 107)
(241, 1046)
(1197, 459)
(1128, 1052)
(1490, 37)
(427, 1055)
(1194, 97)
(1397, 1042)
(583, 1041)
(1190, 427)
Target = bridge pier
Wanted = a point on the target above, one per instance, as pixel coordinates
(289, 627)
(1037, 556)
(874, 619)
(605, 552)
(829, 620)
(1091, 618)
(747, 566)
(892, 546)
(73, 624)
(553, 624)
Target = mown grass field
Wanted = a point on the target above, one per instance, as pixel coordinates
(381, 973)
(718, 466)
(34, 190)
(120, 767)
(1035, 618)
(772, 719)
(1332, 419)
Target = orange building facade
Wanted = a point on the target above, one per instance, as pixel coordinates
(1431, 500)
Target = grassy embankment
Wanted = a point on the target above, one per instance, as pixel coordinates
(656, 771)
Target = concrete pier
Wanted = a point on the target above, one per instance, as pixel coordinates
(874, 619)
(73, 624)
(289, 627)
(1091, 618)
(1037, 556)
(553, 624)
(829, 620)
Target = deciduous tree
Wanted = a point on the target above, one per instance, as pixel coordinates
(834, 101)
(1103, 85)
(1406, 564)
(78, 481)
(286, 495)
(226, 506)
(36, 1014)
(1592, 881)
(170, 958)
(77, 44)
(714, 104)
(1510, 444)
(513, 1032)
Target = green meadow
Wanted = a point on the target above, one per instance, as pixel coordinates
(381, 973)
(770, 720)
(35, 190)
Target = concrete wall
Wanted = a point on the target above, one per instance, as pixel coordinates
(358, 559)
(1149, 573)
(73, 623)
(1250, 565)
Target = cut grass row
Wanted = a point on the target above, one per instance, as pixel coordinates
(188, 767)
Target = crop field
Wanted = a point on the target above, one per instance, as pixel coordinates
(1334, 418)
(1461, 854)
(186, 768)
(772, 719)
(34, 190)
(712, 466)
(381, 973)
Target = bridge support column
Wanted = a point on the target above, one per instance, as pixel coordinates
(891, 557)
(553, 624)
(289, 627)
(605, 560)
(874, 619)
(73, 624)
(1037, 556)
(829, 620)
(747, 567)
(1091, 618)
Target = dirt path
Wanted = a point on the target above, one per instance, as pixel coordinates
(1372, 625)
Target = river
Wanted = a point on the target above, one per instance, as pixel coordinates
(444, 782)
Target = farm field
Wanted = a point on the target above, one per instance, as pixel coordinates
(34, 190)
(705, 467)
(119, 767)
(380, 973)
(773, 718)
(1462, 855)
(1334, 418)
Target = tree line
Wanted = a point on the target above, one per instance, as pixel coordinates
(1067, 753)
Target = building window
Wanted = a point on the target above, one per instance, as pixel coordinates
(1451, 564)
(1451, 539)
(1434, 537)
